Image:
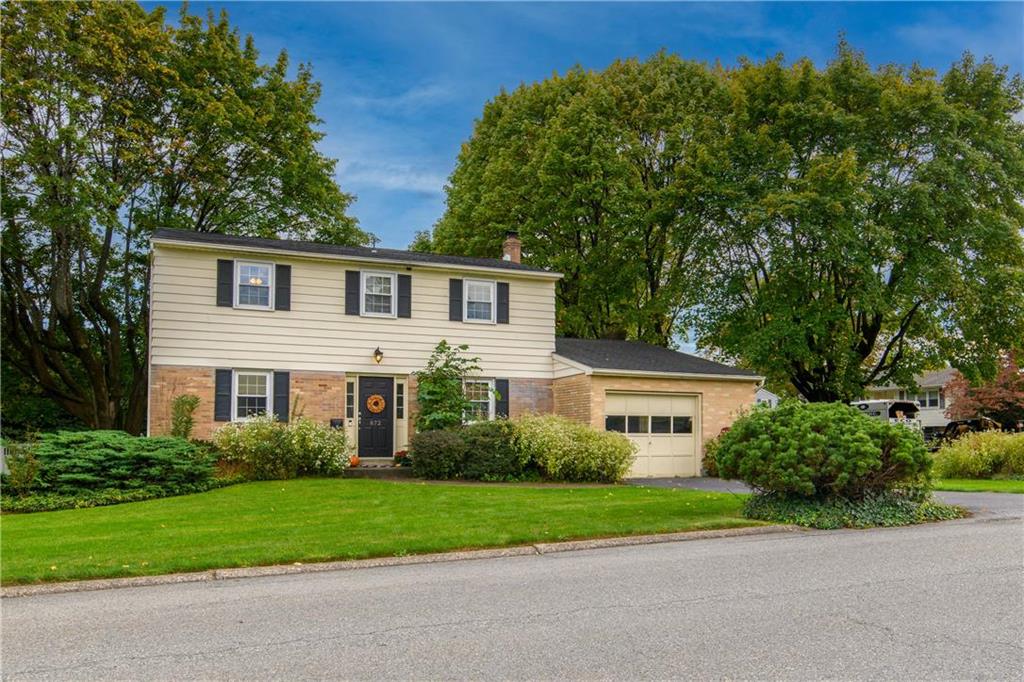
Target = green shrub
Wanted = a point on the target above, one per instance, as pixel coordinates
(182, 421)
(886, 508)
(76, 462)
(710, 462)
(439, 388)
(986, 454)
(437, 455)
(822, 450)
(267, 449)
(566, 450)
(100, 498)
(22, 466)
(491, 454)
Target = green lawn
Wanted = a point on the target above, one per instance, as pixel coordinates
(972, 485)
(321, 519)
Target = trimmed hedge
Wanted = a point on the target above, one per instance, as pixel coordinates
(822, 450)
(266, 449)
(547, 447)
(889, 508)
(988, 454)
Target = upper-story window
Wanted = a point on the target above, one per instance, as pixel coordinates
(378, 294)
(929, 398)
(253, 285)
(479, 301)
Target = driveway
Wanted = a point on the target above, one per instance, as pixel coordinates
(981, 505)
(938, 601)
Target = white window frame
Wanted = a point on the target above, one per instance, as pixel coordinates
(363, 274)
(270, 285)
(490, 397)
(493, 285)
(234, 391)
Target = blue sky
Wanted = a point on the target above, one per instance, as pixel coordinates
(404, 82)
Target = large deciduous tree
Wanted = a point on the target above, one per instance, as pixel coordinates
(870, 222)
(832, 227)
(115, 123)
(601, 175)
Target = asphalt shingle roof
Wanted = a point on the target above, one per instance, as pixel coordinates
(634, 356)
(393, 255)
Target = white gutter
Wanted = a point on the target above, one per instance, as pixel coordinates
(601, 371)
(538, 274)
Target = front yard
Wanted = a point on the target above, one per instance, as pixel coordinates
(323, 519)
(981, 485)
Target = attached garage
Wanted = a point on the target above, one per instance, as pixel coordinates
(667, 403)
(662, 427)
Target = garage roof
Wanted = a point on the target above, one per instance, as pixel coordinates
(634, 357)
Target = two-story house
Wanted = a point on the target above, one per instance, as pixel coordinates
(336, 334)
(930, 397)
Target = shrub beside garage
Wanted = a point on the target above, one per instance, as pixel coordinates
(828, 466)
(542, 447)
(984, 455)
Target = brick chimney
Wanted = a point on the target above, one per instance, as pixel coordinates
(512, 248)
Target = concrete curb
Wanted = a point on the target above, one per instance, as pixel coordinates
(354, 564)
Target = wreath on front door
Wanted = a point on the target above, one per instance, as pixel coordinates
(375, 403)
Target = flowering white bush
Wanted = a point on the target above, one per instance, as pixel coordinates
(270, 449)
(568, 450)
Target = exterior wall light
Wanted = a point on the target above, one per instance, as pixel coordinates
(378, 355)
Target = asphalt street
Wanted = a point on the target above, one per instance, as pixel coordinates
(939, 601)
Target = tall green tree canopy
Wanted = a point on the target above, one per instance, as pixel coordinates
(870, 222)
(601, 174)
(832, 227)
(116, 123)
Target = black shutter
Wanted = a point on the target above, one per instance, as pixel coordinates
(455, 300)
(351, 292)
(405, 295)
(282, 287)
(222, 395)
(502, 302)
(225, 283)
(501, 400)
(281, 396)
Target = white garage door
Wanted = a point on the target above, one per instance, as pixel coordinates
(664, 428)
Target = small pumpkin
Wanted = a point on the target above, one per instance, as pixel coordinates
(353, 461)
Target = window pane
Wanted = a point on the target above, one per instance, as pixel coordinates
(255, 275)
(477, 390)
(253, 285)
(942, 399)
(350, 399)
(615, 422)
(682, 424)
(933, 398)
(252, 385)
(400, 401)
(251, 406)
(377, 296)
(637, 424)
(250, 295)
(661, 424)
(477, 291)
(476, 310)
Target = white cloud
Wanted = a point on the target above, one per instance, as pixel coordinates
(392, 176)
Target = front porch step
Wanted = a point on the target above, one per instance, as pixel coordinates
(378, 469)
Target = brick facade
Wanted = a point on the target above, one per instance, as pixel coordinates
(572, 397)
(168, 382)
(318, 395)
(530, 396)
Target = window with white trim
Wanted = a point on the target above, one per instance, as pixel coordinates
(379, 289)
(929, 398)
(250, 394)
(479, 300)
(399, 400)
(350, 399)
(254, 285)
(480, 394)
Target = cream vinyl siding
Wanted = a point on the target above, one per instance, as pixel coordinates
(188, 328)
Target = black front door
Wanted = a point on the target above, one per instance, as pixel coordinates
(376, 429)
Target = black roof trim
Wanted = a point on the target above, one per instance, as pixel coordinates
(635, 356)
(362, 252)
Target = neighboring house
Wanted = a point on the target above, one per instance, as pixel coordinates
(929, 396)
(335, 333)
(766, 397)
